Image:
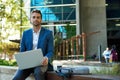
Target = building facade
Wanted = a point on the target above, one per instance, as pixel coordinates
(93, 17)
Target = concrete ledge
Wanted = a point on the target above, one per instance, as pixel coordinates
(7, 72)
(8, 69)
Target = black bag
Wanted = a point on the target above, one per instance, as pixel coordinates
(65, 73)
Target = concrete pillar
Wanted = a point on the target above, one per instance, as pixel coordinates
(93, 20)
(51, 27)
(78, 31)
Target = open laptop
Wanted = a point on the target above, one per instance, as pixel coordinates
(29, 59)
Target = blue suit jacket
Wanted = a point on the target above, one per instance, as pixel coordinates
(45, 42)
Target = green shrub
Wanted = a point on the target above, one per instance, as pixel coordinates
(116, 69)
(103, 70)
(8, 63)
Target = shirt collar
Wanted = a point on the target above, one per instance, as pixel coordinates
(37, 32)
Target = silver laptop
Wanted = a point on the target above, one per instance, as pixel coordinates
(29, 59)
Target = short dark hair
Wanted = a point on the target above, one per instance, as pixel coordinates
(36, 11)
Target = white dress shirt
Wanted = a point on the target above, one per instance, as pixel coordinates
(35, 38)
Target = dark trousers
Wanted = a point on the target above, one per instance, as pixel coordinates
(23, 74)
(107, 60)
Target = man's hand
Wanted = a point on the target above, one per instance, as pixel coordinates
(45, 61)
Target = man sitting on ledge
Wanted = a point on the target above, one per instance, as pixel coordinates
(35, 38)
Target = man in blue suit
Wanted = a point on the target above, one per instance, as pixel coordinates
(34, 38)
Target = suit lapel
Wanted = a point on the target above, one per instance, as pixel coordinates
(40, 37)
(31, 38)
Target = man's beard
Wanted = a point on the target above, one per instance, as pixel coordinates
(36, 24)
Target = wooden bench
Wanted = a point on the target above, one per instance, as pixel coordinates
(53, 76)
